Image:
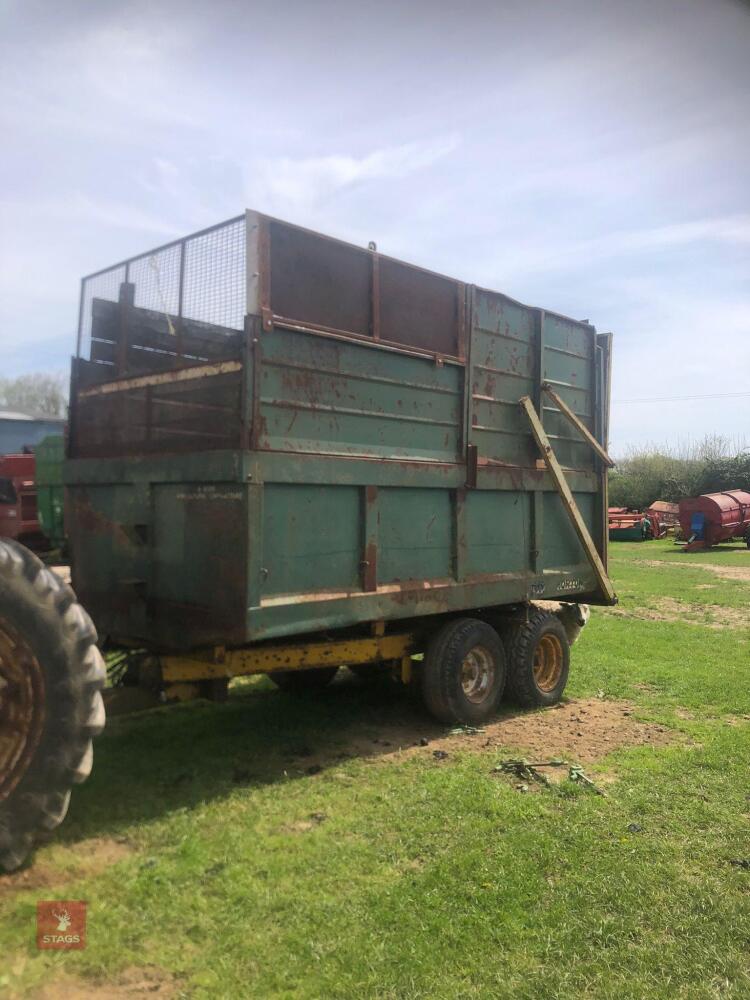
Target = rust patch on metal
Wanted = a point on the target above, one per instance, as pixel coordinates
(86, 519)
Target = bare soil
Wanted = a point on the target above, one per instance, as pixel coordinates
(148, 981)
(85, 858)
(668, 609)
(720, 569)
(580, 731)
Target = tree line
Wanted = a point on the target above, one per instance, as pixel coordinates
(37, 394)
(653, 473)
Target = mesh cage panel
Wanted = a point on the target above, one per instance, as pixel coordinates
(157, 280)
(214, 289)
(200, 277)
(101, 286)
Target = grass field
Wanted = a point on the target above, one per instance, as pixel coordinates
(272, 848)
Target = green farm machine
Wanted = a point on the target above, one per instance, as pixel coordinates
(286, 454)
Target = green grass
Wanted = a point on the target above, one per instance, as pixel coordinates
(386, 877)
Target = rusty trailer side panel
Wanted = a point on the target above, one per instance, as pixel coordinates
(352, 450)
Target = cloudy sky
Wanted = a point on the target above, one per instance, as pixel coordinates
(588, 156)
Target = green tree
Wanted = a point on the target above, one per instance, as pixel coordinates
(38, 394)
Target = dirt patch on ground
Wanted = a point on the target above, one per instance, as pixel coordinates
(578, 731)
(668, 609)
(720, 569)
(86, 858)
(148, 981)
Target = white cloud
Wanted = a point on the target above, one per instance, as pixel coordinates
(546, 255)
(286, 185)
(79, 208)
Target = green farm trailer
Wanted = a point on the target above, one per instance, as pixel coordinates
(50, 454)
(287, 454)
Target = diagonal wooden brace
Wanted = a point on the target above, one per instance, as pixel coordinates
(558, 477)
(578, 424)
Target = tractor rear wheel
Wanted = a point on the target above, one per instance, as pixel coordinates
(51, 676)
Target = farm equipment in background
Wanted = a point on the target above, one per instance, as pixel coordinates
(627, 525)
(715, 517)
(50, 491)
(18, 501)
(286, 454)
(668, 514)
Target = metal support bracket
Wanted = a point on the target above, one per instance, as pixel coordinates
(578, 424)
(558, 477)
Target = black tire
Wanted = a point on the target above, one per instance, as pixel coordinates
(463, 672)
(538, 655)
(52, 674)
(303, 681)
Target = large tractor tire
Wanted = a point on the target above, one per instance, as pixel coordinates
(51, 677)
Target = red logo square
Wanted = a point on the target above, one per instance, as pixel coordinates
(61, 924)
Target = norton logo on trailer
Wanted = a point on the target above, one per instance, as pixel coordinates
(61, 924)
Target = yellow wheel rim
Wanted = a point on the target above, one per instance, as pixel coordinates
(548, 663)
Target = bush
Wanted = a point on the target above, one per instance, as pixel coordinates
(663, 473)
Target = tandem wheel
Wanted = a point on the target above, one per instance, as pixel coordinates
(463, 673)
(538, 653)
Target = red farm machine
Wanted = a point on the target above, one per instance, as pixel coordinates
(18, 500)
(715, 517)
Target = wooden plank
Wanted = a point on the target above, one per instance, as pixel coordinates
(578, 424)
(165, 378)
(568, 500)
(150, 330)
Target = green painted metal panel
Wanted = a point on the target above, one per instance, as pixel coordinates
(498, 532)
(561, 545)
(110, 562)
(312, 538)
(568, 334)
(321, 395)
(49, 456)
(502, 369)
(202, 528)
(415, 535)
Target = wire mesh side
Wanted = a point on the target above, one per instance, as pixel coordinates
(100, 286)
(214, 285)
(200, 277)
(156, 278)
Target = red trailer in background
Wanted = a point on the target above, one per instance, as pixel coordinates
(667, 513)
(18, 513)
(628, 525)
(715, 517)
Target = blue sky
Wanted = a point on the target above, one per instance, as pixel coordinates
(587, 156)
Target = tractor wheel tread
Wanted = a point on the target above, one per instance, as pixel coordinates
(63, 639)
